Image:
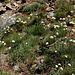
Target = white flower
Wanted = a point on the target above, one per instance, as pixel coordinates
(69, 64)
(51, 37)
(42, 21)
(4, 43)
(71, 22)
(4, 28)
(65, 26)
(22, 21)
(9, 48)
(72, 74)
(64, 22)
(60, 18)
(63, 18)
(73, 30)
(47, 43)
(61, 68)
(71, 11)
(68, 16)
(59, 64)
(74, 15)
(57, 33)
(55, 51)
(53, 18)
(66, 56)
(31, 14)
(5, 32)
(26, 43)
(0, 41)
(13, 40)
(28, 17)
(54, 35)
(25, 22)
(56, 66)
(65, 43)
(71, 40)
(17, 21)
(56, 26)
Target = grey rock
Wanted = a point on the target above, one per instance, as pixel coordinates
(7, 19)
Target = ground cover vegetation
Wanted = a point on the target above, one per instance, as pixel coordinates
(39, 43)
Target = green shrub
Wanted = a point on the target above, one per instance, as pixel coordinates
(29, 8)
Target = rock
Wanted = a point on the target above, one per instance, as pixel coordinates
(7, 19)
(9, 7)
(1, 4)
(49, 9)
(34, 65)
(51, 13)
(16, 4)
(2, 9)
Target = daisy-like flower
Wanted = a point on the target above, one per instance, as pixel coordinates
(4, 44)
(55, 51)
(42, 21)
(66, 56)
(59, 64)
(57, 33)
(47, 43)
(72, 74)
(65, 43)
(9, 48)
(68, 16)
(25, 22)
(56, 66)
(73, 41)
(63, 18)
(71, 11)
(73, 30)
(51, 37)
(2, 41)
(5, 32)
(69, 64)
(53, 18)
(31, 14)
(61, 68)
(13, 40)
(26, 43)
(70, 40)
(28, 17)
(65, 26)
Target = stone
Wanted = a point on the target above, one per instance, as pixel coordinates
(7, 19)
(1, 4)
(51, 13)
(9, 6)
(18, 2)
(2, 9)
(15, 4)
(49, 9)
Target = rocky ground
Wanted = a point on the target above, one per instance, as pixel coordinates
(13, 23)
